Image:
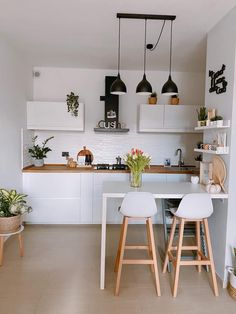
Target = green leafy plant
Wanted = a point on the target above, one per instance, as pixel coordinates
(37, 151)
(136, 160)
(217, 118)
(154, 94)
(13, 203)
(73, 104)
(202, 114)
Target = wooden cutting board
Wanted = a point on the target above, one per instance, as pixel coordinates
(85, 152)
(218, 171)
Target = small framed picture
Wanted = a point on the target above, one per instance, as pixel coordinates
(167, 162)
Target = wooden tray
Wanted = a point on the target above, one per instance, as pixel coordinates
(219, 171)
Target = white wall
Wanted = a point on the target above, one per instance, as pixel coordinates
(55, 83)
(221, 50)
(14, 85)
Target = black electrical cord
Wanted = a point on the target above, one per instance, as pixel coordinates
(150, 46)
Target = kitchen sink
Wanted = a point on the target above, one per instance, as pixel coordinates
(184, 167)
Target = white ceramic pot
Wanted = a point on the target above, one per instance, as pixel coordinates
(219, 122)
(194, 179)
(38, 162)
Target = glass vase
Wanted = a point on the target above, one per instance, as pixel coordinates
(135, 179)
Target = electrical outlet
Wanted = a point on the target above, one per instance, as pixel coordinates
(65, 154)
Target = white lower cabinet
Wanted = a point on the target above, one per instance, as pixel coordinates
(113, 215)
(76, 198)
(54, 211)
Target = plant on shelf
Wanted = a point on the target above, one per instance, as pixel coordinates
(12, 206)
(174, 100)
(217, 120)
(73, 104)
(137, 161)
(152, 100)
(39, 152)
(202, 116)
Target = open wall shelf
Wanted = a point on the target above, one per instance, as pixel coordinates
(214, 152)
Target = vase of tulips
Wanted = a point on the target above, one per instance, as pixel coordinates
(137, 161)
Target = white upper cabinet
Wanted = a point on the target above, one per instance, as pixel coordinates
(151, 118)
(167, 118)
(43, 115)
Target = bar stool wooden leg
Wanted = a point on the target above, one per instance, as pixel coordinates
(172, 234)
(149, 244)
(1, 250)
(178, 257)
(117, 289)
(210, 255)
(198, 240)
(157, 281)
(119, 247)
(21, 244)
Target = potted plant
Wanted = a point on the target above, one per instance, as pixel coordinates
(217, 120)
(12, 207)
(39, 152)
(232, 277)
(152, 100)
(202, 116)
(73, 104)
(174, 100)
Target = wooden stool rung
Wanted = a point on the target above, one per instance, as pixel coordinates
(138, 261)
(136, 247)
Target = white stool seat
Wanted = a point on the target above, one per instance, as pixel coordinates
(195, 206)
(138, 204)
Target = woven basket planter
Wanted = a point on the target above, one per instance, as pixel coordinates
(232, 283)
(10, 224)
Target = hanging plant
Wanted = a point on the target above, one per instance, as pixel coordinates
(73, 104)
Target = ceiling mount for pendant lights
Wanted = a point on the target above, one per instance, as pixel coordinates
(170, 88)
(144, 87)
(118, 86)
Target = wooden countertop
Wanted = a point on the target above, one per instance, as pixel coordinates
(60, 168)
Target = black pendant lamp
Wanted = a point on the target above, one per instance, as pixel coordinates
(118, 86)
(144, 87)
(170, 88)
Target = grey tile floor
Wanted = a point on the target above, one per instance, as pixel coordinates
(59, 274)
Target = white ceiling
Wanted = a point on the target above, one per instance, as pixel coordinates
(83, 33)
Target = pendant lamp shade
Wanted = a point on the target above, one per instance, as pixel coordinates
(170, 88)
(144, 87)
(118, 86)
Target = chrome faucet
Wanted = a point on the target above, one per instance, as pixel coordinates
(180, 162)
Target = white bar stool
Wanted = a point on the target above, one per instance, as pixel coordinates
(20, 238)
(137, 205)
(196, 207)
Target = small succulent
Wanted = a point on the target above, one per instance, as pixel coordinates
(202, 114)
(73, 104)
(154, 94)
